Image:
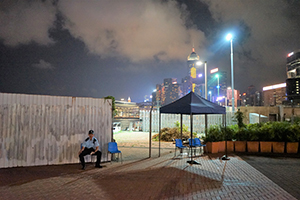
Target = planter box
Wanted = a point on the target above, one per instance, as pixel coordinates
(211, 147)
(230, 146)
(221, 146)
(292, 147)
(214, 147)
(240, 146)
(207, 148)
(265, 147)
(278, 147)
(253, 146)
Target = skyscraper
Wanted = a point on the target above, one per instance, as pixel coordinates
(293, 76)
(192, 82)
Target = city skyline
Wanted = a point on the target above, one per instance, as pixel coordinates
(122, 49)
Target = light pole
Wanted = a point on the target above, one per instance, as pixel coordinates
(205, 74)
(229, 37)
(218, 86)
(209, 95)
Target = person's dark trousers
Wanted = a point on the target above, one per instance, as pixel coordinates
(87, 151)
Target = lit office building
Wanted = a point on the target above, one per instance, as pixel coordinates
(127, 116)
(216, 90)
(293, 76)
(172, 93)
(274, 94)
(195, 79)
(237, 97)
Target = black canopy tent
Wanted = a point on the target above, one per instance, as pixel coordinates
(191, 104)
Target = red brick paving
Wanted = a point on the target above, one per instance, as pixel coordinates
(155, 178)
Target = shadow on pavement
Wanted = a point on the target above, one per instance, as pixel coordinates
(21, 175)
(158, 183)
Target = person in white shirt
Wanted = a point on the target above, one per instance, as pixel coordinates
(90, 146)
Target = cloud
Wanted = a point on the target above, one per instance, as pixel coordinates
(43, 65)
(271, 26)
(22, 22)
(136, 30)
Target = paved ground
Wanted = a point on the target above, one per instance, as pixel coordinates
(243, 177)
(282, 171)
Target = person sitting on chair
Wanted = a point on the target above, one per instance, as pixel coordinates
(90, 146)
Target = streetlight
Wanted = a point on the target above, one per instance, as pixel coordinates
(229, 37)
(217, 75)
(205, 74)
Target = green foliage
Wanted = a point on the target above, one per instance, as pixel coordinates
(239, 116)
(217, 133)
(293, 134)
(168, 134)
(184, 127)
(270, 131)
(114, 112)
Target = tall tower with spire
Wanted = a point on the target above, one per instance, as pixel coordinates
(192, 60)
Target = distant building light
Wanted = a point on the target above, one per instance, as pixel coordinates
(150, 96)
(200, 75)
(214, 70)
(122, 99)
(244, 94)
(154, 90)
(229, 88)
(175, 82)
(271, 87)
(290, 54)
(199, 63)
(220, 98)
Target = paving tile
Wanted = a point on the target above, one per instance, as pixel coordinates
(142, 178)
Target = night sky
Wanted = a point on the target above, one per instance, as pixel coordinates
(123, 48)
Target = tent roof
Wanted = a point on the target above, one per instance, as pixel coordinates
(192, 104)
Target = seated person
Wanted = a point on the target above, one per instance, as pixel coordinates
(90, 146)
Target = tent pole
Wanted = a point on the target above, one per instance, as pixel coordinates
(181, 129)
(159, 134)
(191, 135)
(192, 162)
(150, 130)
(191, 120)
(205, 125)
(225, 156)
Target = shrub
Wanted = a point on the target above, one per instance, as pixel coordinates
(239, 116)
(293, 134)
(169, 134)
(265, 132)
(242, 134)
(213, 134)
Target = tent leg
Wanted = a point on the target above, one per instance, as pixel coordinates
(192, 162)
(205, 117)
(225, 156)
(150, 130)
(181, 130)
(159, 134)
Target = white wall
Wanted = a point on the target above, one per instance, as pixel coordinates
(45, 130)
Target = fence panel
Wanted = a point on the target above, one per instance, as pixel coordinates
(44, 130)
(169, 120)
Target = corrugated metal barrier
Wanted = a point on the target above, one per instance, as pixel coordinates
(46, 130)
(168, 120)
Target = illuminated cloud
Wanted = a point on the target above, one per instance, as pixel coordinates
(22, 22)
(270, 23)
(136, 30)
(43, 65)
